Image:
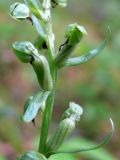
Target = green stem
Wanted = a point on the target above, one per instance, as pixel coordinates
(46, 122)
(50, 101)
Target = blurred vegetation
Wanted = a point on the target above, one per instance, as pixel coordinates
(95, 85)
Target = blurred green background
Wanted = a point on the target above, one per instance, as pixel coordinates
(95, 85)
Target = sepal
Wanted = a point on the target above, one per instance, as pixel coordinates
(19, 11)
(24, 50)
(32, 155)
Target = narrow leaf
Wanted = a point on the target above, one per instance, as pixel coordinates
(39, 26)
(104, 142)
(33, 105)
(84, 58)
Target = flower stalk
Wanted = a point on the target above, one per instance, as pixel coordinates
(46, 64)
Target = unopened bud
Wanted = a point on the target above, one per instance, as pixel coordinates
(64, 129)
(66, 126)
(19, 11)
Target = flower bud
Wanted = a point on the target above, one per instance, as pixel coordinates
(74, 111)
(66, 126)
(32, 155)
(74, 34)
(24, 51)
(19, 11)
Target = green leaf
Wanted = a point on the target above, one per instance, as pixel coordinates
(33, 105)
(104, 142)
(84, 58)
(36, 8)
(32, 155)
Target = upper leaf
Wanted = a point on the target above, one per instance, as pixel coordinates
(33, 105)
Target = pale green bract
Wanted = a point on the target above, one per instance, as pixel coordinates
(33, 105)
(19, 11)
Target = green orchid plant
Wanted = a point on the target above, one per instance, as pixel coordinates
(46, 64)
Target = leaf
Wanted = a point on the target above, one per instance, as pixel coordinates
(36, 8)
(32, 155)
(40, 42)
(104, 142)
(33, 105)
(84, 58)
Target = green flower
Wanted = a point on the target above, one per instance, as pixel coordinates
(19, 11)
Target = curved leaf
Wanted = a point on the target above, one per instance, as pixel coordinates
(84, 58)
(33, 105)
(104, 142)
